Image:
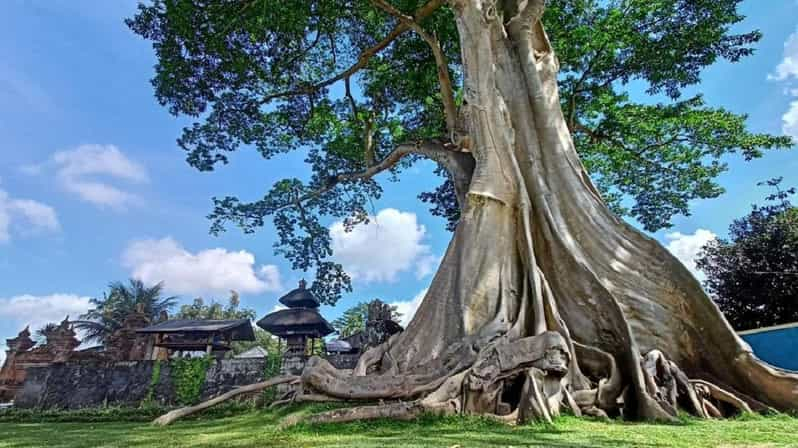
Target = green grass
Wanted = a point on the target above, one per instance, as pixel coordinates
(261, 429)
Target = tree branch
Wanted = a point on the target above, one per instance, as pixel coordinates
(447, 91)
(459, 164)
(362, 59)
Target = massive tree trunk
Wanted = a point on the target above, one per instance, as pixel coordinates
(537, 250)
(544, 297)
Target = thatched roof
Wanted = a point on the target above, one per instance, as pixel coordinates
(296, 321)
(241, 328)
(254, 352)
(300, 298)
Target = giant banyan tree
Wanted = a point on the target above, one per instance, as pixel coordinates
(545, 298)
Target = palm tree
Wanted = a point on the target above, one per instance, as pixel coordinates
(120, 301)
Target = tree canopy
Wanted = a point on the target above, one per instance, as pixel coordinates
(753, 275)
(215, 310)
(349, 86)
(121, 300)
(354, 319)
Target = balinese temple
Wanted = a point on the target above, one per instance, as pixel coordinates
(296, 324)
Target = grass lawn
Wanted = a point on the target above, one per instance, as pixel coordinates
(260, 429)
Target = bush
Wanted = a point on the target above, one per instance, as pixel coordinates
(188, 377)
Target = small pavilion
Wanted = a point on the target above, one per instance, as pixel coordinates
(209, 336)
(296, 324)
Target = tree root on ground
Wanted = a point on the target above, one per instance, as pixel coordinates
(512, 381)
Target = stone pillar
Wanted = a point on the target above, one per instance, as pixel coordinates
(294, 358)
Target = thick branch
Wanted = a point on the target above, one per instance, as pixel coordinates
(362, 59)
(183, 412)
(447, 91)
(459, 164)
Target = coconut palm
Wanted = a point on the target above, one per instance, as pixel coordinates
(121, 300)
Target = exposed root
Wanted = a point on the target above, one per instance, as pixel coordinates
(171, 416)
(397, 411)
(706, 390)
(670, 386)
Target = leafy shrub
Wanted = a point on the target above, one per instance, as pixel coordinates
(270, 370)
(188, 377)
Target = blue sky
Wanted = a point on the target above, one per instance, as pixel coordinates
(93, 187)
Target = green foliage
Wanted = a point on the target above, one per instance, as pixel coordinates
(262, 339)
(654, 156)
(214, 310)
(154, 381)
(271, 75)
(118, 303)
(188, 377)
(753, 275)
(354, 319)
(270, 370)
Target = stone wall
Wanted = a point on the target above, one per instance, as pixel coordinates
(73, 385)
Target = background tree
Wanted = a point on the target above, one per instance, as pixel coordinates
(538, 264)
(263, 339)
(215, 310)
(753, 275)
(354, 319)
(118, 303)
(41, 333)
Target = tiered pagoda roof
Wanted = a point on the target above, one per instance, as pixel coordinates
(302, 317)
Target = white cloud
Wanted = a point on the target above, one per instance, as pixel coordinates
(788, 67)
(687, 247)
(213, 271)
(787, 71)
(37, 311)
(78, 168)
(408, 308)
(389, 244)
(270, 274)
(32, 216)
(790, 120)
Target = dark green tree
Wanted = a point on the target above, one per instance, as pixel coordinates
(215, 310)
(263, 339)
(118, 303)
(354, 319)
(753, 275)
